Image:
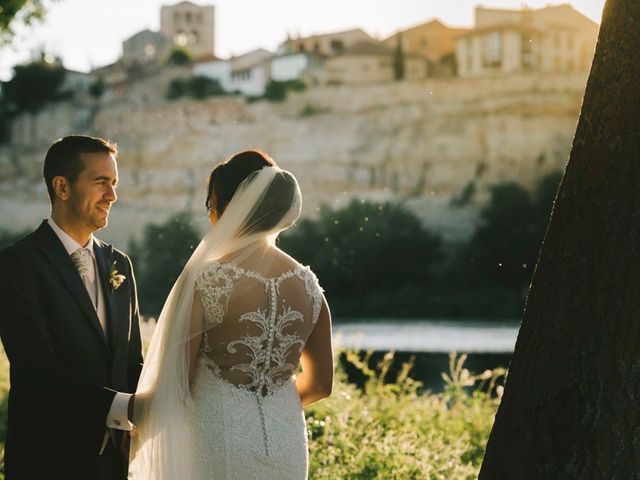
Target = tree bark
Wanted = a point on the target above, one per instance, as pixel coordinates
(571, 406)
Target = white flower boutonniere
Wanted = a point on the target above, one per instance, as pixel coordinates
(115, 278)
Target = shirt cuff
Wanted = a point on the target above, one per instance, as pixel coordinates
(118, 417)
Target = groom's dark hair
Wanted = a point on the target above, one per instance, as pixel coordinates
(63, 158)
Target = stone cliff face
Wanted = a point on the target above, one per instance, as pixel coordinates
(421, 143)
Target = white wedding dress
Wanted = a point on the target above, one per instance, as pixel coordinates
(247, 420)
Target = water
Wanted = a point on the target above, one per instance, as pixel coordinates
(428, 343)
(433, 336)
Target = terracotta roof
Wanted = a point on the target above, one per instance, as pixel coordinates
(367, 48)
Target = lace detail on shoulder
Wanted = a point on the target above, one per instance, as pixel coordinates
(314, 290)
(214, 283)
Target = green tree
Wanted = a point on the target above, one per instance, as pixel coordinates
(275, 91)
(398, 60)
(201, 87)
(33, 86)
(504, 248)
(159, 258)
(97, 88)
(18, 11)
(179, 56)
(366, 249)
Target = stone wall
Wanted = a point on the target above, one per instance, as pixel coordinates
(421, 143)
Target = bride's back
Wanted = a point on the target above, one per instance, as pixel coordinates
(258, 314)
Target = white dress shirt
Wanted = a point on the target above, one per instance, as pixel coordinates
(118, 417)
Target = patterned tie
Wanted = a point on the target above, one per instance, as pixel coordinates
(82, 260)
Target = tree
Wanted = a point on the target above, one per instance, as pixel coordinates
(398, 60)
(365, 250)
(570, 405)
(18, 11)
(159, 258)
(504, 248)
(179, 56)
(33, 86)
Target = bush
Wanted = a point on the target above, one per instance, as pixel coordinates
(159, 258)
(33, 86)
(198, 87)
(503, 251)
(276, 91)
(179, 56)
(393, 431)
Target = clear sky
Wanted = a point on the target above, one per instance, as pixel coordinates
(89, 33)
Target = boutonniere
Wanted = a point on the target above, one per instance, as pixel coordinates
(115, 278)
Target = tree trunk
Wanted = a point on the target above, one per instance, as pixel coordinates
(571, 407)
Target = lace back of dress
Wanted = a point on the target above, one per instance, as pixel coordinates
(256, 325)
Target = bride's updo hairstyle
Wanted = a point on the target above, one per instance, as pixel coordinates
(281, 199)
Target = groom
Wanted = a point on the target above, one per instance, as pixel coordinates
(69, 325)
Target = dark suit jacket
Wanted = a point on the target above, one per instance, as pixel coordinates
(62, 364)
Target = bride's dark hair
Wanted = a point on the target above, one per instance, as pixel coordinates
(227, 177)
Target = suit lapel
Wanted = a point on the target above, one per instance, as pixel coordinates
(55, 252)
(104, 258)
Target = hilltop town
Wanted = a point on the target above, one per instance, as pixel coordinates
(421, 117)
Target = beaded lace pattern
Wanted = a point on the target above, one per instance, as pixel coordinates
(256, 350)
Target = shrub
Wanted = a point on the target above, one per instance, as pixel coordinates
(159, 258)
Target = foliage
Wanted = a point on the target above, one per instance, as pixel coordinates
(393, 431)
(504, 248)
(398, 60)
(97, 88)
(198, 87)
(276, 91)
(159, 258)
(179, 56)
(33, 86)
(465, 196)
(365, 248)
(388, 430)
(18, 11)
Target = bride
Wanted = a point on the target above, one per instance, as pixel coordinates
(219, 397)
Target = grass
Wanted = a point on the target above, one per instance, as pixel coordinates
(388, 430)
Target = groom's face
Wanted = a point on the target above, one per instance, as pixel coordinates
(94, 191)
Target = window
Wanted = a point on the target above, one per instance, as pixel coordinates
(337, 46)
(187, 16)
(176, 16)
(526, 51)
(493, 50)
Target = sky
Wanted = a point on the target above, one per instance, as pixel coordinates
(89, 33)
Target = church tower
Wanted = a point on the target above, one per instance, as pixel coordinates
(190, 26)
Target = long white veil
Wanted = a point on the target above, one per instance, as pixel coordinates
(160, 446)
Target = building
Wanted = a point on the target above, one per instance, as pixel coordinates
(216, 69)
(293, 66)
(328, 44)
(250, 72)
(145, 47)
(367, 62)
(552, 39)
(190, 26)
(433, 41)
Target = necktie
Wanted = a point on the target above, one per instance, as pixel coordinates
(84, 264)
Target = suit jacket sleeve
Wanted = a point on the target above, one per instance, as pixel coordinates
(29, 345)
(134, 358)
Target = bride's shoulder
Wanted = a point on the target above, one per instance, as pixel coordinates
(215, 270)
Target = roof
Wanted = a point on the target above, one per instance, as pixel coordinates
(367, 48)
(250, 59)
(324, 35)
(519, 27)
